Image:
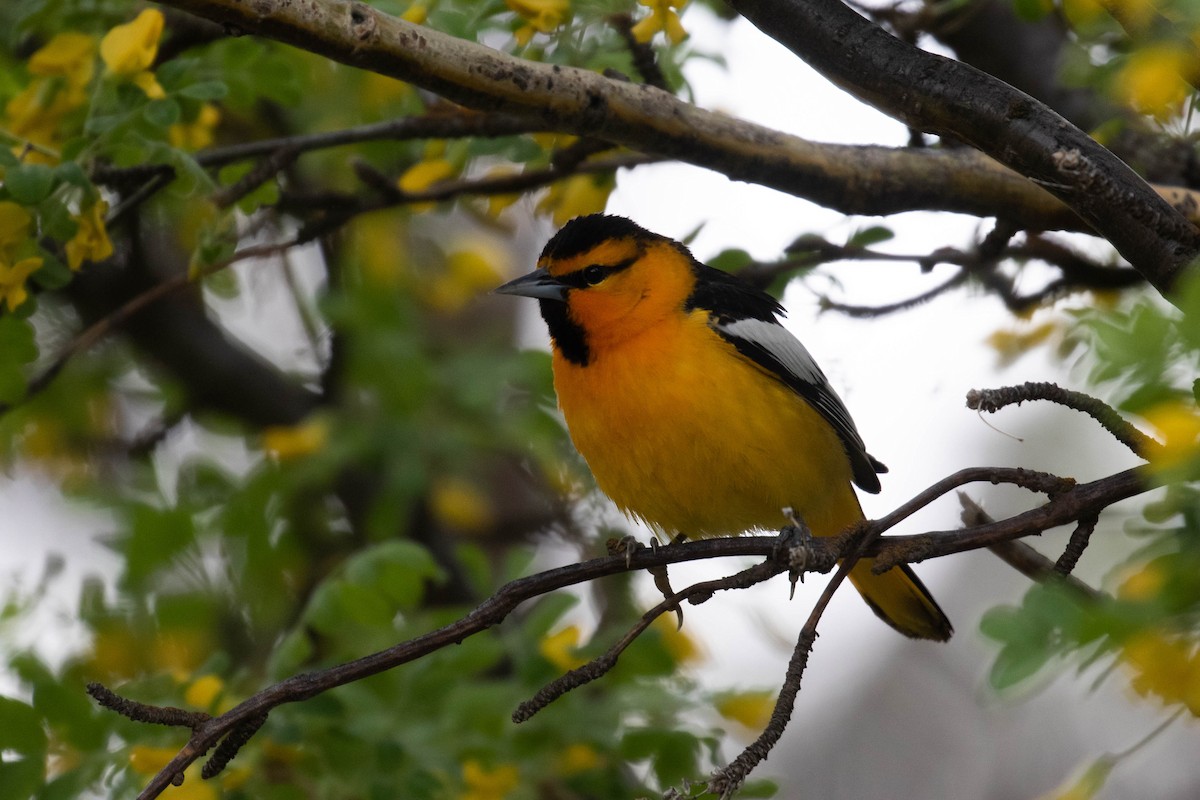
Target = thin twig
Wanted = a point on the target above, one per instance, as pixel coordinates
(867, 312)
(992, 400)
(141, 712)
(1021, 556)
(724, 782)
(695, 594)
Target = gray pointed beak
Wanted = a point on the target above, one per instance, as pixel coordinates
(539, 284)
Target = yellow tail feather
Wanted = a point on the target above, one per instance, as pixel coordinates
(900, 599)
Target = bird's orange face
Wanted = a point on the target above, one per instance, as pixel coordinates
(622, 286)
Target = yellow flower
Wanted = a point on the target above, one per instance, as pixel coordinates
(1144, 582)
(577, 196)
(179, 652)
(1011, 344)
(560, 649)
(287, 442)
(459, 504)
(128, 51)
(541, 16)
(12, 280)
(663, 17)
(466, 275)
(482, 783)
(682, 647)
(68, 55)
(1166, 668)
(1178, 427)
(553, 141)
(197, 134)
(131, 48)
(204, 691)
(751, 709)
(577, 758)
(90, 242)
(423, 175)
(147, 760)
(416, 14)
(1151, 81)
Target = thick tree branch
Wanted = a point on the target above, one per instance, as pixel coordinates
(851, 179)
(939, 95)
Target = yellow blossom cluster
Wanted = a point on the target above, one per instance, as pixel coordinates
(483, 783)
(1151, 82)
(751, 709)
(15, 266)
(1166, 667)
(562, 649)
(129, 51)
(197, 134)
(290, 442)
(1177, 424)
(61, 70)
(90, 242)
(468, 273)
(423, 175)
(460, 505)
(663, 16)
(541, 16)
(577, 196)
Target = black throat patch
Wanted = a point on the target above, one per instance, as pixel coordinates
(568, 335)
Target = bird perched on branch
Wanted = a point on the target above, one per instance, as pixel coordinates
(697, 411)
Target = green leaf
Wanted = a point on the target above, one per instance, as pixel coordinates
(731, 260)
(17, 348)
(758, 788)
(865, 237)
(29, 184)
(56, 220)
(71, 173)
(1015, 664)
(53, 273)
(163, 113)
(205, 90)
(23, 740)
(1032, 10)
(672, 753)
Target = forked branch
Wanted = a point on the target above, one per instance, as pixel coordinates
(1067, 502)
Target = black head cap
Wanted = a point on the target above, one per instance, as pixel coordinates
(583, 233)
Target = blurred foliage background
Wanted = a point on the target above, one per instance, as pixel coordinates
(318, 451)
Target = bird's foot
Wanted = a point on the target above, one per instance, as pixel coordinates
(627, 545)
(794, 547)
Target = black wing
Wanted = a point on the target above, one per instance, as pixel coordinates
(747, 318)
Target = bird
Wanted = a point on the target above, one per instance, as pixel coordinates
(696, 410)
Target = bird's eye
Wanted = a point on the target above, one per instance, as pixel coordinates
(594, 274)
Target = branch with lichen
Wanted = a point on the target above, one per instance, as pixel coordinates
(851, 179)
(1067, 502)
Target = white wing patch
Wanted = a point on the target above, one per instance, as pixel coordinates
(782, 345)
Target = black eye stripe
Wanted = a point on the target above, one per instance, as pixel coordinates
(583, 278)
